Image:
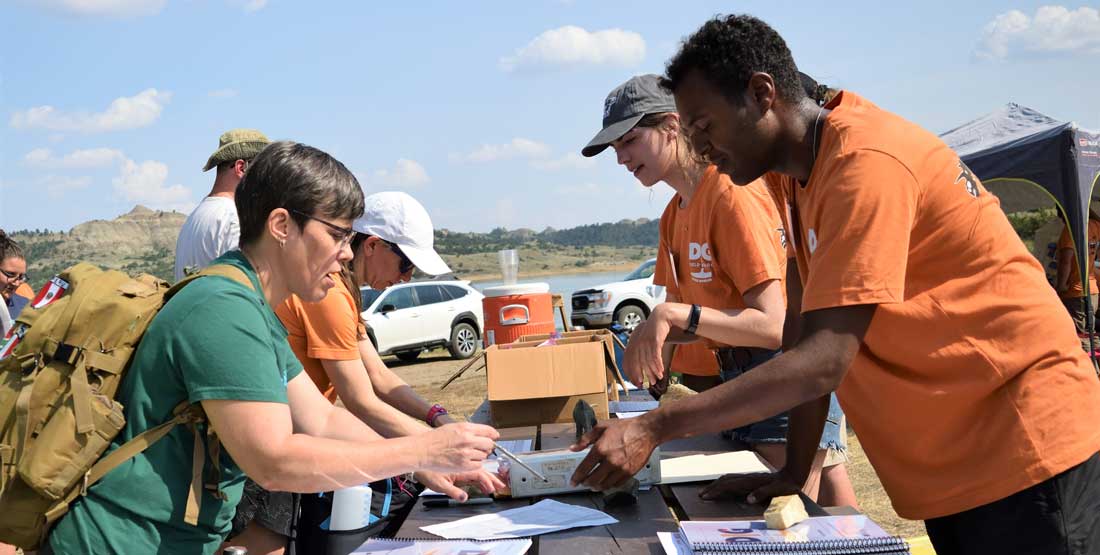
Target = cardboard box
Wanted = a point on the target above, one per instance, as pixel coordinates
(528, 384)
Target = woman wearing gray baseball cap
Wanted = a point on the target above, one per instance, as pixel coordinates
(722, 259)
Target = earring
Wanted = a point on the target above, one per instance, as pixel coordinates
(282, 243)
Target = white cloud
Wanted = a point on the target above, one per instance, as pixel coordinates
(571, 160)
(517, 148)
(38, 157)
(77, 159)
(104, 8)
(128, 112)
(57, 185)
(573, 46)
(1052, 29)
(223, 93)
(405, 174)
(144, 183)
(249, 6)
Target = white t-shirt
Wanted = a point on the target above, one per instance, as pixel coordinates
(5, 318)
(209, 232)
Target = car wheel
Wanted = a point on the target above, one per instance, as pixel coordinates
(463, 341)
(630, 317)
(407, 356)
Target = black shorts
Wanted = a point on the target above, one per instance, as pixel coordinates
(1060, 516)
(273, 510)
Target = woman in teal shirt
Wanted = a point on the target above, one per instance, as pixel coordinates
(218, 343)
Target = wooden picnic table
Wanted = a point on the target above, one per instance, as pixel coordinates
(658, 510)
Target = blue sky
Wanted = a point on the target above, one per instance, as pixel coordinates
(479, 109)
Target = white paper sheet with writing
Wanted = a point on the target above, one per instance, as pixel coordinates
(399, 546)
(541, 518)
(674, 543)
(698, 468)
(622, 415)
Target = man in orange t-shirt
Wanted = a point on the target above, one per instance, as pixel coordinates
(1068, 282)
(954, 360)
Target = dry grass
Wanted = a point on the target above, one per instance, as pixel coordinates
(466, 394)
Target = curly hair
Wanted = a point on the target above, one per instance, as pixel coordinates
(728, 50)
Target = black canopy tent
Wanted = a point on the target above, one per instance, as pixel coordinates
(1017, 146)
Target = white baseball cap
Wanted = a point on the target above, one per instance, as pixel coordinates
(397, 218)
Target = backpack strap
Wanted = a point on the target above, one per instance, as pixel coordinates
(223, 270)
(184, 413)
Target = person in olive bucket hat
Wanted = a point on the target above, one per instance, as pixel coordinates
(212, 228)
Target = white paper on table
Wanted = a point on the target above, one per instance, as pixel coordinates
(674, 543)
(541, 518)
(621, 415)
(632, 406)
(628, 388)
(698, 468)
(399, 546)
(515, 445)
(491, 466)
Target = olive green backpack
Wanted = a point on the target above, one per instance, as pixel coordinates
(58, 412)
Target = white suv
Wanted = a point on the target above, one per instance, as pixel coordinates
(409, 318)
(627, 302)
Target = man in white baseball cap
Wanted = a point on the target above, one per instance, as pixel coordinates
(402, 224)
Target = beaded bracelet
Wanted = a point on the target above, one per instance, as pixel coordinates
(436, 411)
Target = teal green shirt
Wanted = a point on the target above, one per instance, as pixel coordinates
(215, 339)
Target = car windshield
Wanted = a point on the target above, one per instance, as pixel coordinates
(643, 271)
(368, 296)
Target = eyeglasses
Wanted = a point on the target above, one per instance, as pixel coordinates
(346, 234)
(13, 276)
(406, 264)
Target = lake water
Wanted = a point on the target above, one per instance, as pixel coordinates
(564, 284)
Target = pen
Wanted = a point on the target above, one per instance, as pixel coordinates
(508, 454)
(440, 503)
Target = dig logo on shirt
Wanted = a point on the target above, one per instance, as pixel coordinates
(966, 176)
(700, 259)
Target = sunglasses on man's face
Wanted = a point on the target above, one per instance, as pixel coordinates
(13, 276)
(406, 265)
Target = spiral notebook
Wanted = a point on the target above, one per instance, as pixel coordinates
(827, 535)
(401, 546)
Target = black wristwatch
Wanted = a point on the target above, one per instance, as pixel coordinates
(693, 319)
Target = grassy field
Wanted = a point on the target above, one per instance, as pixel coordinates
(465, 394)
(551, 260)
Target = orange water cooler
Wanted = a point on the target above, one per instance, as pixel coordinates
(512, 311)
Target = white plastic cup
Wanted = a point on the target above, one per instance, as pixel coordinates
(351, 508)
(509, 265)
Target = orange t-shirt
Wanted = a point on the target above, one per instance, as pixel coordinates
(970, 384)
(727, 240)
(694, 359)
(24, 290)
(328, 329)
(1074, 289)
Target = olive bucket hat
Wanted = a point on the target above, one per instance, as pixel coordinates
(237, 144)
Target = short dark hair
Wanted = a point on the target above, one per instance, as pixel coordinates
(728, 50)
(299, 178)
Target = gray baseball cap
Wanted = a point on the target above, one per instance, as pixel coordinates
(626, 106)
